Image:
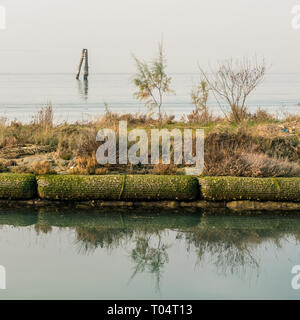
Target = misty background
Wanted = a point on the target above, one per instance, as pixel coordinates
(48, 35)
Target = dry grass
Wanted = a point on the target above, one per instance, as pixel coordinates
(250, 165)
(42, 167)
(20, 169)
(242, 154)
(100, 171)
(164, 169)
(3, 166)
(260, 165)
(85, 165)
(255, 147)
(197, 116)
(44, 117)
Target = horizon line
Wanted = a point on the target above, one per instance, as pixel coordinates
(127, 73)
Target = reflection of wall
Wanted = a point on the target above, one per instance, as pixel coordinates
(228, 240)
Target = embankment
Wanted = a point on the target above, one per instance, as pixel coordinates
(233, 193)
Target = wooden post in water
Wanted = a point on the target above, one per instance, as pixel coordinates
(80, 64)
(86, 65)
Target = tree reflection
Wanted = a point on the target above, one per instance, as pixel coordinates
(40, 228)
(150, 258)
(228, 250)
(229, 243)
(89, 239)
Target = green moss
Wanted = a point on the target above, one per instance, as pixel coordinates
(160, 187)
(115, 187)
(17, 186)
(289, 189)
(240, 188)
(76, 187)
(147, 187)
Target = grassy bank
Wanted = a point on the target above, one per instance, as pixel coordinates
(261, 145)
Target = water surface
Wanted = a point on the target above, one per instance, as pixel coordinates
(22, 95)
(107, 254)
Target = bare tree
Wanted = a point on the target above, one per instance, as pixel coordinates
(152, 80)
(233, 81)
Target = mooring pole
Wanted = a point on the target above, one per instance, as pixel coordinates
(86, 65)
(80, 64)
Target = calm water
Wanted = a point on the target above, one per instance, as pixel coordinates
(22, 95)
(158, 255)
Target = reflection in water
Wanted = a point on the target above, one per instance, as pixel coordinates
(230, 250)
(149, 257)
(89, 239)
(83, 89)
(229, 243)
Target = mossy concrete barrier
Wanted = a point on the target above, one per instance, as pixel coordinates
(117, 187)
(240, 188)
(289, 189)
(156, 187)
(17, 186)
(186, 190)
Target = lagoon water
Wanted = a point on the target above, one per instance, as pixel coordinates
(22, 95)
(77, 254)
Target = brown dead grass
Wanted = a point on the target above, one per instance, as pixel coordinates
(255, 147)
(42, 167)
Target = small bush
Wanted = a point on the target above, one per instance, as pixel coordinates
(42, 167)
(262, 116)
(85, 165)
(88, 144)
(3, 166)
(244, 164)
(44, 118)
(200, 116)
(261, 165)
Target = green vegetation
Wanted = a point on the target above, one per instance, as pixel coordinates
(17, 186)
(147, 187)
(117, 187)
(70, 187)
(240, 143)
(237, 188)
(256, 147)
(152, 81)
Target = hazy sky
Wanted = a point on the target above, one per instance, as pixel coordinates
(48, 35)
